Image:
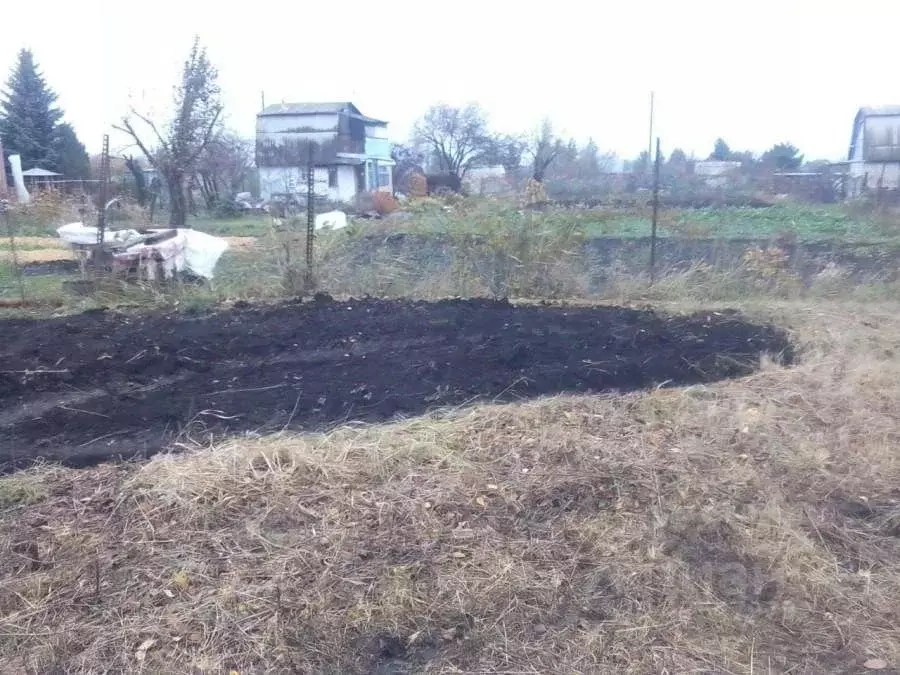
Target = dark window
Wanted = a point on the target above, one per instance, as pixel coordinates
(332, 177)
(384, 176)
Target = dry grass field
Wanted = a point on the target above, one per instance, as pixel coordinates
(749, 526)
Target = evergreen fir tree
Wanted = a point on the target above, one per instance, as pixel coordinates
(29, 116)
(73, 162)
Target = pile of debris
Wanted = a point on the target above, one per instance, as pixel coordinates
(147, 254)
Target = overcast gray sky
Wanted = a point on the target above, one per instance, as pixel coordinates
(754, 72)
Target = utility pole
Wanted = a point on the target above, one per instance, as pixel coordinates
(650, 142)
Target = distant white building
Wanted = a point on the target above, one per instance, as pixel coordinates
(351, 152)
(486, 180)
(716, 173)
(874, 156)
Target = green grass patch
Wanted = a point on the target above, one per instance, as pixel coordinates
(803, 222)
(21, 490)
(240, 226)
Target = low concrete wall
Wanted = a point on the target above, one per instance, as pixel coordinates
(861, 262)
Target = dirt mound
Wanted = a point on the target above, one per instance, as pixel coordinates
(98, 385)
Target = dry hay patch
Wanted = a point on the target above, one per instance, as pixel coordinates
(702, 529)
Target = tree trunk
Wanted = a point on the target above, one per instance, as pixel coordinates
(191, 203)
(140, 181)
(207, 189)
(177, 201)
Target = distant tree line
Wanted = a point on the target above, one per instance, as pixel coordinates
(780, 157)
(448, 142)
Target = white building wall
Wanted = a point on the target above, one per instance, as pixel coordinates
(875, 174)
(290, 180)
(858, 144)
(485, 180)
(346, 185)
(882, 130)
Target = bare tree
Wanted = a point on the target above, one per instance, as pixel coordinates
(224, 165)
(544, 148)
(607, 161)
(457, 137)
(176, 147)
(506, 150)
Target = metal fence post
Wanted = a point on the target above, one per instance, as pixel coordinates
(310, 219)
(655, 215)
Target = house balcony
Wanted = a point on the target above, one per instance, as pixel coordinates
(295, 150)
(378, 148)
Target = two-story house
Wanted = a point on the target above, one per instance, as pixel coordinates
(351, 152)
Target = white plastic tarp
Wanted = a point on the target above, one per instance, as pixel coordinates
(202, 251)
(86, 235)
(189, 250)
(333, 220)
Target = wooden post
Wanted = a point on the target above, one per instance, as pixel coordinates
(2, 171)
(655, 215)
(13, 252)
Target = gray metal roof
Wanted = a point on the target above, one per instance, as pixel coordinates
(328, 108)
(879, 111)
(38, 172)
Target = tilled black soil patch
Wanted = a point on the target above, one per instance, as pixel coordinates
(48, 267)
(103, 385)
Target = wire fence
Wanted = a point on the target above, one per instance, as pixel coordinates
(571, 238)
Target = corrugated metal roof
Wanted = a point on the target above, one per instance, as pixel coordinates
(327, 108)
(864, 113)
(305, 108)
(38, 172)
(879, 111)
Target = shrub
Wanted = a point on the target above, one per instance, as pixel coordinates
(384, 203)
(534, 193)
(766, 263)
(515, 254)
(226, 208)
(418, 185)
